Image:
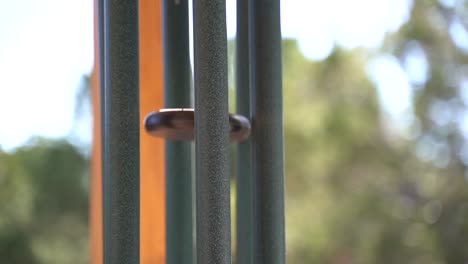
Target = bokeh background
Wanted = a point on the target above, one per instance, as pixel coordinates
(376, 130)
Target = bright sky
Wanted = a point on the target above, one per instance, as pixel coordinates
(47, 46)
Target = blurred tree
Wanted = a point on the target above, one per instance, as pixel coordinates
(359, 191)
(45, 212)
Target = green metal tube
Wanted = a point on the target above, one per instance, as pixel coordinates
(120, 122)
(177, 82)
(102, 109)
(267, 131)
(211, 133)
(244, 204)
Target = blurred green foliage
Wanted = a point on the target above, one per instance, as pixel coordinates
(357, 189)
(44, 209)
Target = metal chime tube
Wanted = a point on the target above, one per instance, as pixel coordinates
(120, 122)
(211, 133)
(267, 131)
(177, 81)
(244, 204)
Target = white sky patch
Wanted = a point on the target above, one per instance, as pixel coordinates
(45, 48)
(463, 124)
(360, 22)
(463, 118)
(464, 91)
(415, 64)
(448, 3)
(459, 35)
(394, 90)
(312, 24)
(319, 25)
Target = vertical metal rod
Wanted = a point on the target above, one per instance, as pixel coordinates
(244, 214)
(211, 132)
(101, 53)
(102, 109)
(267, 140)
(177, 81)
(121, 179)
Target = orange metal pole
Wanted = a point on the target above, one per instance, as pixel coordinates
(152, 226)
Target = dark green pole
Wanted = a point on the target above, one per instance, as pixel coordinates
(177, 81)
(267, 131)
(120, 122)
(102, 100)
(244, 215)
(211, 132)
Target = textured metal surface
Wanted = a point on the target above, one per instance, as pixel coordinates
(267, 131)
(211, 129)
(244, 214)
(102, 94)
(121, 161)
(177, 81)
